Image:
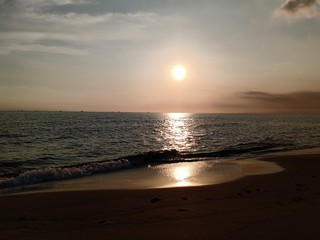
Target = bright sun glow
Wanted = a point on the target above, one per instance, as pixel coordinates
(179, 72)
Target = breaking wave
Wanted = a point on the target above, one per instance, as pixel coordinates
(47, 174)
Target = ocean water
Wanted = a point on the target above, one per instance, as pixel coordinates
(39, 147)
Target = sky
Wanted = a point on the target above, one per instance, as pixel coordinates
(241, 56)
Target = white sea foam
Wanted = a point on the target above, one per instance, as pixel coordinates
(52, 173)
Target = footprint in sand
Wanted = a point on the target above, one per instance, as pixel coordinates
(155, 200)
(182, 210)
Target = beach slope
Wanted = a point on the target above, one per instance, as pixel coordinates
(283, 205)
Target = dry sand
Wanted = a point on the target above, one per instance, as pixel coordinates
(284, 205)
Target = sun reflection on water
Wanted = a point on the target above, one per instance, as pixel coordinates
(177, 116)
(177, 132)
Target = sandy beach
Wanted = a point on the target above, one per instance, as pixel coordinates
(284, 205)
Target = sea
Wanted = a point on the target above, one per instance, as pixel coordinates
(37, 147)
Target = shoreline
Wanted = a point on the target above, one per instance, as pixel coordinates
(137, 179)
(282, 205)
(148, 178)
(169, 175)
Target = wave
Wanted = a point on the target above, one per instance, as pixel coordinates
(61, 173)
(86, 169)
(47, 174)
(12, 135)
(242, 149)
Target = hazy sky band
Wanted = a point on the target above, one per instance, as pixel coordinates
(116, 55)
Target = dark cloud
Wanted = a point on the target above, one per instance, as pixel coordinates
(8, 2)
(8, 5)
(295, 5)
(259, 102)
(307, 8)
(296, 102)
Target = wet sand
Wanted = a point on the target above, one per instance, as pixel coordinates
(284, 205)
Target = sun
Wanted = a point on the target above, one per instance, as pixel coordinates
(179, 72)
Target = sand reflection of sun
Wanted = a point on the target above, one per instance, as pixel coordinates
(182, 173)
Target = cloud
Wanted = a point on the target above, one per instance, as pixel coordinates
(66, 2)
(299, 8)
(28, 26)
(296, 102)
(41, 48)
(48, 2)
(83, 20)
